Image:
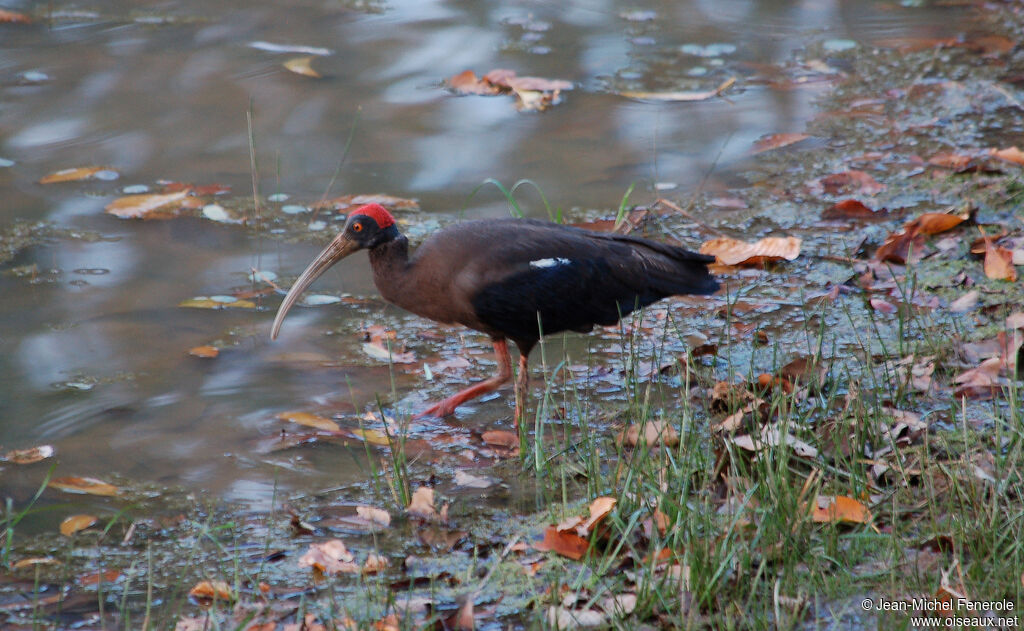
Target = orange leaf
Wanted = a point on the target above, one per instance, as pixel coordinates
(567, 544)
(29, 456)
(310, 420)
(74, 175)
(735, 252)
(852, 209)
(775, 141)
(13, 16)
(599, 509)
(840, 508)
(208, 352)
(422, 504)
(302, 66)
(212, 590)
(147, 206)
(1010, 154)
(74, 523)
(90, 486)
(501, 438)
(999, 262)
(934, 223)
(466, 82)
(330, 557)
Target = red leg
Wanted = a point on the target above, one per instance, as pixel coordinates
(522, 379)
(447, 407)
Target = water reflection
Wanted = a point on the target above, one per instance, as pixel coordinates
(169, 101)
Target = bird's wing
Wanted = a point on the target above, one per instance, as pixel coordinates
(517, 271)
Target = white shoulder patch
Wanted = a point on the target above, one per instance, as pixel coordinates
(540, 263)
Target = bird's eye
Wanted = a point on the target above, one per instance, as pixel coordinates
(357, 227)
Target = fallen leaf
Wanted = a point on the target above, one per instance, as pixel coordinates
(680, 96)
(655, 432)
(302, 66)
(388, 201)
(1010, 154)
(330, 557)
(212, 590)
(74, 523)
(147, 206)
(374, 515)
(33, 561)
(934, 223)
(216, 302)
(882, 306)
(30, 455)
(12, 17)
(75, 174)
(852, 181)
(372, 436)
(839, 508)
(532, 93)
(90, 486)
(377, 350)
(566, 618)
(466, 82)
(776, 141)
(853, 209)
(999, 263)
(599, 509)
(501, 438)
(206, 352)
(735, 252)
(567, 544)
(98, 577)
(471, 481)
(422, 504)
(374, 563)
(981, 382)
(310, 420)
(965, 302)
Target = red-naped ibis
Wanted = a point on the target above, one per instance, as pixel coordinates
(511, 279)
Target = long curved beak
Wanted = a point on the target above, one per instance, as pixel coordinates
(336, 250)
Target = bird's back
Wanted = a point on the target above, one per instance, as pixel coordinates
(499, 274)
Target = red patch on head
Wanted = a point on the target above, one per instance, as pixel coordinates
(377, 213)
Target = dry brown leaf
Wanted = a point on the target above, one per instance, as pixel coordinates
(847, 182)
(73, 175)
(966, 302)
(599, 509)
(212, 590)
(388, 201)
(853, 209)
(934, 223)
(330, 557)
(776, 141)
(567, 544)
(501, 438)
(147, 206)
(33, 561)
(74, 523)
(999, 263)
(378, 350)
(840, 508)
(13, 17)
(310, 420)
(470, 481)
(302, 66)
(375, 563)
(372, 436)
(680, 96)
(374, 515)
(31, 455)
(90, 486)
(422, 504)
(1010, 154)
(983, 381)
(655, 432)
(735, 252)
(466, 82)
(206, 352)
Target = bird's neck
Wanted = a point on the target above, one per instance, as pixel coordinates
(390, 262)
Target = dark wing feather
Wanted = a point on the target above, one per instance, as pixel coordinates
(574, 279)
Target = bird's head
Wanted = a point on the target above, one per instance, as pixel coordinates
(367, 227)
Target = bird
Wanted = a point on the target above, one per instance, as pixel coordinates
(511, 279)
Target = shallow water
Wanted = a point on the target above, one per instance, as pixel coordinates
(93, 346)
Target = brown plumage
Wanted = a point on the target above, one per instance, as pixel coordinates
(511, 279)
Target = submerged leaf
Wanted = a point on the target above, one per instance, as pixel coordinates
(78, 174)
(147, 206)
(302, 66)
(90, 486)
(29, 456)
(310, 420)
(74, 523)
